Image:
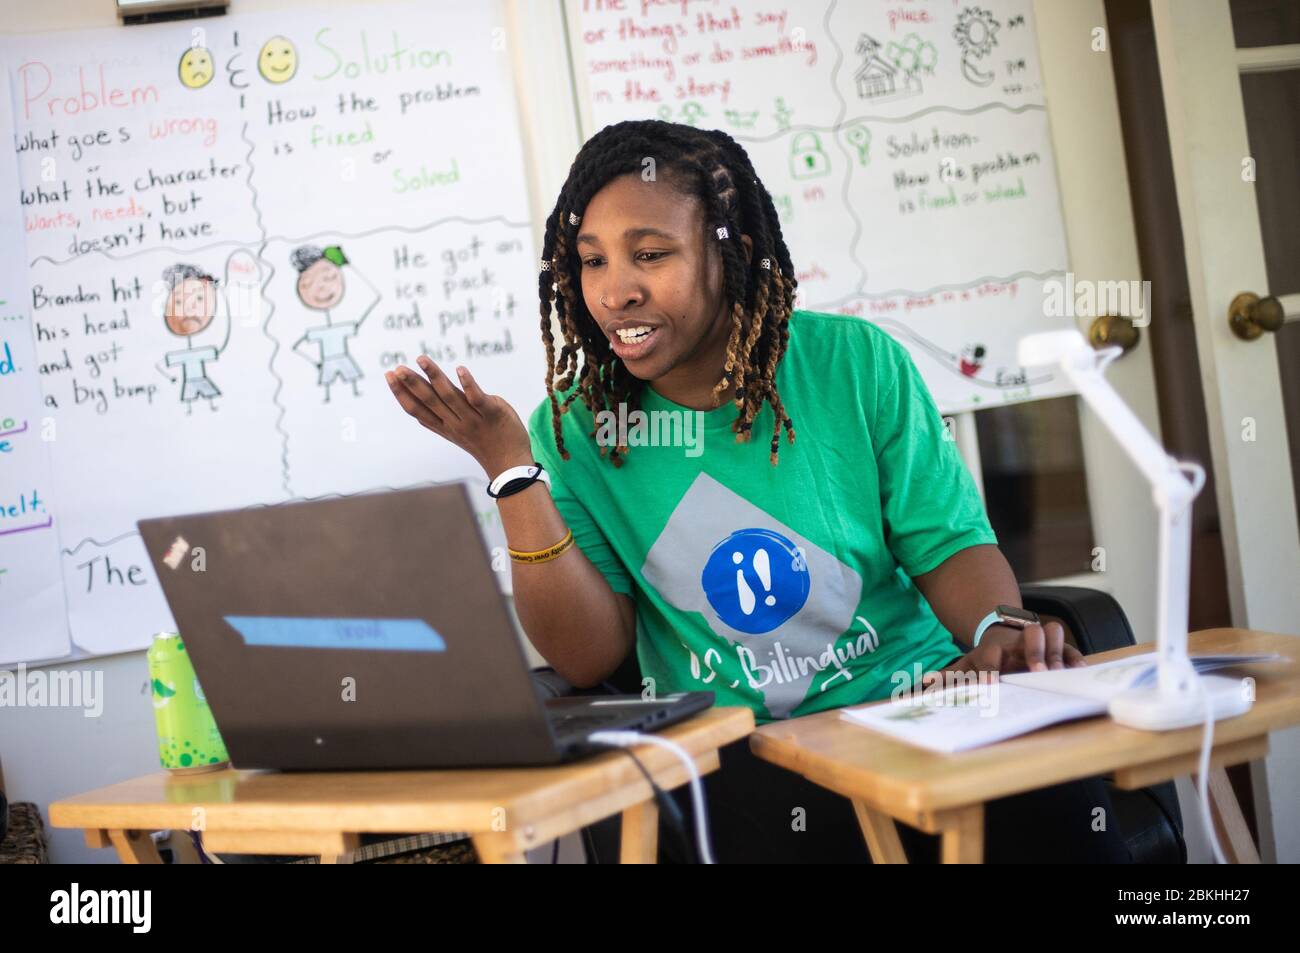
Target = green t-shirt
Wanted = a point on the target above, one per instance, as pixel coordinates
(786, 589)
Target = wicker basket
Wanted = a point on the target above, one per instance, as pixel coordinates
(24, 841)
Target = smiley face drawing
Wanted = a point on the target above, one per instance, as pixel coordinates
(278, 60)
(196, 67)
(320, 288)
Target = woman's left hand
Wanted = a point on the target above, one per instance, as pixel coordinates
(1035, 648)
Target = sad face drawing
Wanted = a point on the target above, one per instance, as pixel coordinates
(190, 307)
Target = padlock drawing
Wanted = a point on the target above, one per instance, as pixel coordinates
(807, 159)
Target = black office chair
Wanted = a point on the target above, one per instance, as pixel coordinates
(1148, 817)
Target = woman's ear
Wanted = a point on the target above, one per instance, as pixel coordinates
(749, 248)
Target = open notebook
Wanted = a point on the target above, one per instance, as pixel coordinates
(966, 716)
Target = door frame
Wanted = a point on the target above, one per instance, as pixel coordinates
(1200, 69)
(1199, 74)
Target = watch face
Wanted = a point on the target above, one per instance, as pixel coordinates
(1015, 616)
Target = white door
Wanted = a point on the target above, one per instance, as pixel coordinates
(1200, 70)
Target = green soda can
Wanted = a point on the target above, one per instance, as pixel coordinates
(188, 740)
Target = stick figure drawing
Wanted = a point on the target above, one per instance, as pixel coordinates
(191, 306)
(194, 302)
(320, 287)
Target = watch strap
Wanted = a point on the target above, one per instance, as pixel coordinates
(993, 618)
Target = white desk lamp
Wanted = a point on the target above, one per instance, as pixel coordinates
(1179, 698)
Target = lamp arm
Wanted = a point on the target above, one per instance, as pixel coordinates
(1174, 487)
(1084, 371)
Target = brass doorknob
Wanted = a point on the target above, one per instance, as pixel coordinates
(1249, 315)
(1111, 329)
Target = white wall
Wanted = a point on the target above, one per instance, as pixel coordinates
(52, 753)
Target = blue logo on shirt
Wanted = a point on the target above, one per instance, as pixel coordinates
(755, 580)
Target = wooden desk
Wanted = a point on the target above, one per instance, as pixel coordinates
(506, 811)
(889, 781)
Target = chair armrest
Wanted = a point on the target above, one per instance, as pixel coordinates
(1094, 617)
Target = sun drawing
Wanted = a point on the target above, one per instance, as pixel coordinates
(976, 34)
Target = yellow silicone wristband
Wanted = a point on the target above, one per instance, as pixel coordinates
(542, 555)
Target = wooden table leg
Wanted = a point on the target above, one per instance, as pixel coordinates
(348, 844)
(640, 840)
(494, 847)
(881, 834)
(134, 847)
(963, 836)
(1229, 822)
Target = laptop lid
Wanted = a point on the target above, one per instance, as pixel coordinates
(366, 631)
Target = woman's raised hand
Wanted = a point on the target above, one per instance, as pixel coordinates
(483, 425)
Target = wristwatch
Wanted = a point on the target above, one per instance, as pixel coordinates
(1006, 615)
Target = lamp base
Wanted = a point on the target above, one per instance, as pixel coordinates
(1149, 710)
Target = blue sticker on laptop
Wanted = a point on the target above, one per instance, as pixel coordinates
(401, 635)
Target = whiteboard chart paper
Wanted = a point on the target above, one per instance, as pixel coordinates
(234, 227)
(906, 147)
(34, 621)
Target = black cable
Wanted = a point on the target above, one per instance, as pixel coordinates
(589, 845)
(667, 804)
(198, 846)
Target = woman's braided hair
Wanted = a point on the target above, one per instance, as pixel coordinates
(711, 166)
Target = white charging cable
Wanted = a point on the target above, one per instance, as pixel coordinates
(629, 739)
(1203, 775)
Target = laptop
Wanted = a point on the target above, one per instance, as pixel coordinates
(369, 632)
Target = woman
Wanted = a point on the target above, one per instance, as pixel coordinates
(826, 573)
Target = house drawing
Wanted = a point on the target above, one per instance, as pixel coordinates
(877, 78)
